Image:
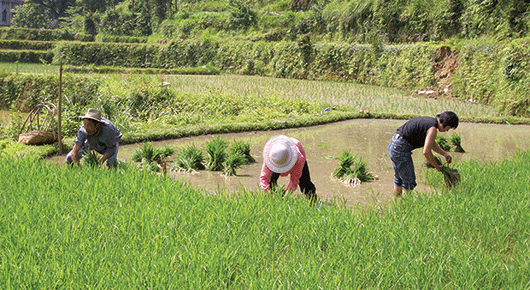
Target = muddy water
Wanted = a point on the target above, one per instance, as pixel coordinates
(365, 138)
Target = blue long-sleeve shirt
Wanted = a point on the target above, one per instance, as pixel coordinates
(104, 141)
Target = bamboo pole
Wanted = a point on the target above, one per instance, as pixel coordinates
(59, 115)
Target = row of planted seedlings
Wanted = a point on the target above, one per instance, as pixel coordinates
(221, 155)
(227, 158)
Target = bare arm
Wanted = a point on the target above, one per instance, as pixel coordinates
(431, 145)
(75, 151)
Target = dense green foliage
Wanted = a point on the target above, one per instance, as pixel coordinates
(25, 44)
(64, 227)
(26, 56)
(481, 53)
(12, 33)
(337, 20)
(490, 73)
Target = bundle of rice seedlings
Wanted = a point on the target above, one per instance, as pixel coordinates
(164, 152)
(150, 153)
(189, 159)
(146, 151)
(442, 142)
(149, 165)
(352, 171)
(456, 140)
(216, 149)
(451, 175)
(150, 157)
(243, 148)
(345, 163)
(232, 162)
(90, 159)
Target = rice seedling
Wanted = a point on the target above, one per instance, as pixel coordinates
(456, 140)
(189, 159)
(442, 142)
(90, 159)
(152, 158)
(352, 170)
(232, 162)
(216, 150)
(279, 191)
(243, 148)
(451, 175)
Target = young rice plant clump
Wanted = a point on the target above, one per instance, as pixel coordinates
(243, 148)
(456, 140)
(189, 159)
(442, 142)
(216, 149)
(352, 170)
(152, 158)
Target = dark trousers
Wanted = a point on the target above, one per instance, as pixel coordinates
(306, 186)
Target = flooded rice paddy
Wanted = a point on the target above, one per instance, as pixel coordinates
(324, 144)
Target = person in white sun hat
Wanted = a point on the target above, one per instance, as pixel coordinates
(283, 156)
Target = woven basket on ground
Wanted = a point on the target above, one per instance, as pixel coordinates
(37, 138)
(41, 135)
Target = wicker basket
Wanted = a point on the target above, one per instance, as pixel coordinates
(41, 136)
(37, 138)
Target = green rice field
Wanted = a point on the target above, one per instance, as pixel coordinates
(92, 228)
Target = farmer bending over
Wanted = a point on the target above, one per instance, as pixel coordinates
(98, 134)
(284, 156)
(416, 133)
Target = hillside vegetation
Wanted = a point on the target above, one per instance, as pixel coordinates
(470, 50)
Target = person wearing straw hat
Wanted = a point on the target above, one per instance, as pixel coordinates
(99, 134)
(416, 133)
(283, 156)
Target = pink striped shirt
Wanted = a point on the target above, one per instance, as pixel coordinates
(295, 172)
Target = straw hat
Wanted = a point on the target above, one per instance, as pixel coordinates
(93, 114)
(280, 154)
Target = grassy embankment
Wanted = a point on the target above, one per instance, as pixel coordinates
(94, 228)
(156, 107)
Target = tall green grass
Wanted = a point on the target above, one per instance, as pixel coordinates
(9, 67)
(74, 228)
(327, 93)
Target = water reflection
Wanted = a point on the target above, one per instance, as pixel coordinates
(366, 138)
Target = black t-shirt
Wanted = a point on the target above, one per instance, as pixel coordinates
(415, 130)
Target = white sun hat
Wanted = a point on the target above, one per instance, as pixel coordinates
(280, 154)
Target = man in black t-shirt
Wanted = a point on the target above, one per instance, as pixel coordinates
(416, 133)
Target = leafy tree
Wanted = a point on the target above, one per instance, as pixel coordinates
(242, 15)
(301, 5)
(55, 8)
(31, 16)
